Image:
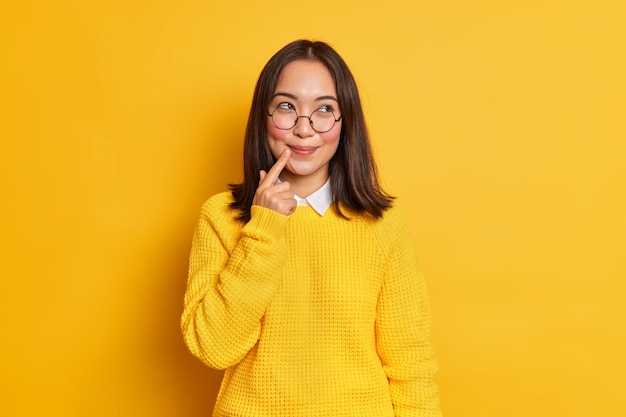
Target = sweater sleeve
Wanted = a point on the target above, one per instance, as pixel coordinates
(403, 331)
(232, 278)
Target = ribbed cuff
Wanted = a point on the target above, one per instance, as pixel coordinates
(266, 224)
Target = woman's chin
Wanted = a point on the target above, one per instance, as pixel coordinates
(300, 170)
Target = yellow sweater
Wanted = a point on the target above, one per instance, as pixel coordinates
(310, 315)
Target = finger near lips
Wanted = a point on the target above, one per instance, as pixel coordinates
(277, 197)
(277, 168)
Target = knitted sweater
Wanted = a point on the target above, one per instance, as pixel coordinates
(310, 315)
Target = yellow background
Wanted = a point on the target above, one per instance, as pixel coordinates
(499, 124)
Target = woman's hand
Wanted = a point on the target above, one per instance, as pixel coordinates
(277, 197)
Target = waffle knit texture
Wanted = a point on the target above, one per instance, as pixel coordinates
(310, 315)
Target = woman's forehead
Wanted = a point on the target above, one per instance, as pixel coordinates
(306, 79)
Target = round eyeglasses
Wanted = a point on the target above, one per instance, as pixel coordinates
(285, 117)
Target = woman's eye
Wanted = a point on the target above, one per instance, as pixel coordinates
(285, 106)
(325, 109)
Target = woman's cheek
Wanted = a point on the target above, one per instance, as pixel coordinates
(276, 139)
(332, 137)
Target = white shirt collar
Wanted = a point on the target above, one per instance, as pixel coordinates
(319, 200)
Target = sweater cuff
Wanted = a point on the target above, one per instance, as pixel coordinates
(266, 224)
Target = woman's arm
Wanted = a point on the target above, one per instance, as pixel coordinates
(231, 282)
(403, 332)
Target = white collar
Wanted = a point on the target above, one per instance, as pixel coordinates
(319, 200)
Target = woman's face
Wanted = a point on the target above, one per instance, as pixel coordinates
(306, 87)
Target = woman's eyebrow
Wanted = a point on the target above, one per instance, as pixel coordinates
(293, 97)
(280, 93)
(326, 98)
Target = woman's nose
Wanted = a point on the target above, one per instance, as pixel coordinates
(304, 128)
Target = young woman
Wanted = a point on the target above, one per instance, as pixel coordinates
(303, 281)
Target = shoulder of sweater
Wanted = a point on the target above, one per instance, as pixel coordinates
(392, 228)
(217, 207)
(393, 219)
(217, 202)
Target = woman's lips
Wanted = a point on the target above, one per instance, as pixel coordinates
(303, 150)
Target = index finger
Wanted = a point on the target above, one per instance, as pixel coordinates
(274, 172)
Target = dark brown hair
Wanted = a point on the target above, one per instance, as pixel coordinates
(352, 170)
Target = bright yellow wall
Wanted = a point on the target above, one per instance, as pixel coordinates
(499, 124)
